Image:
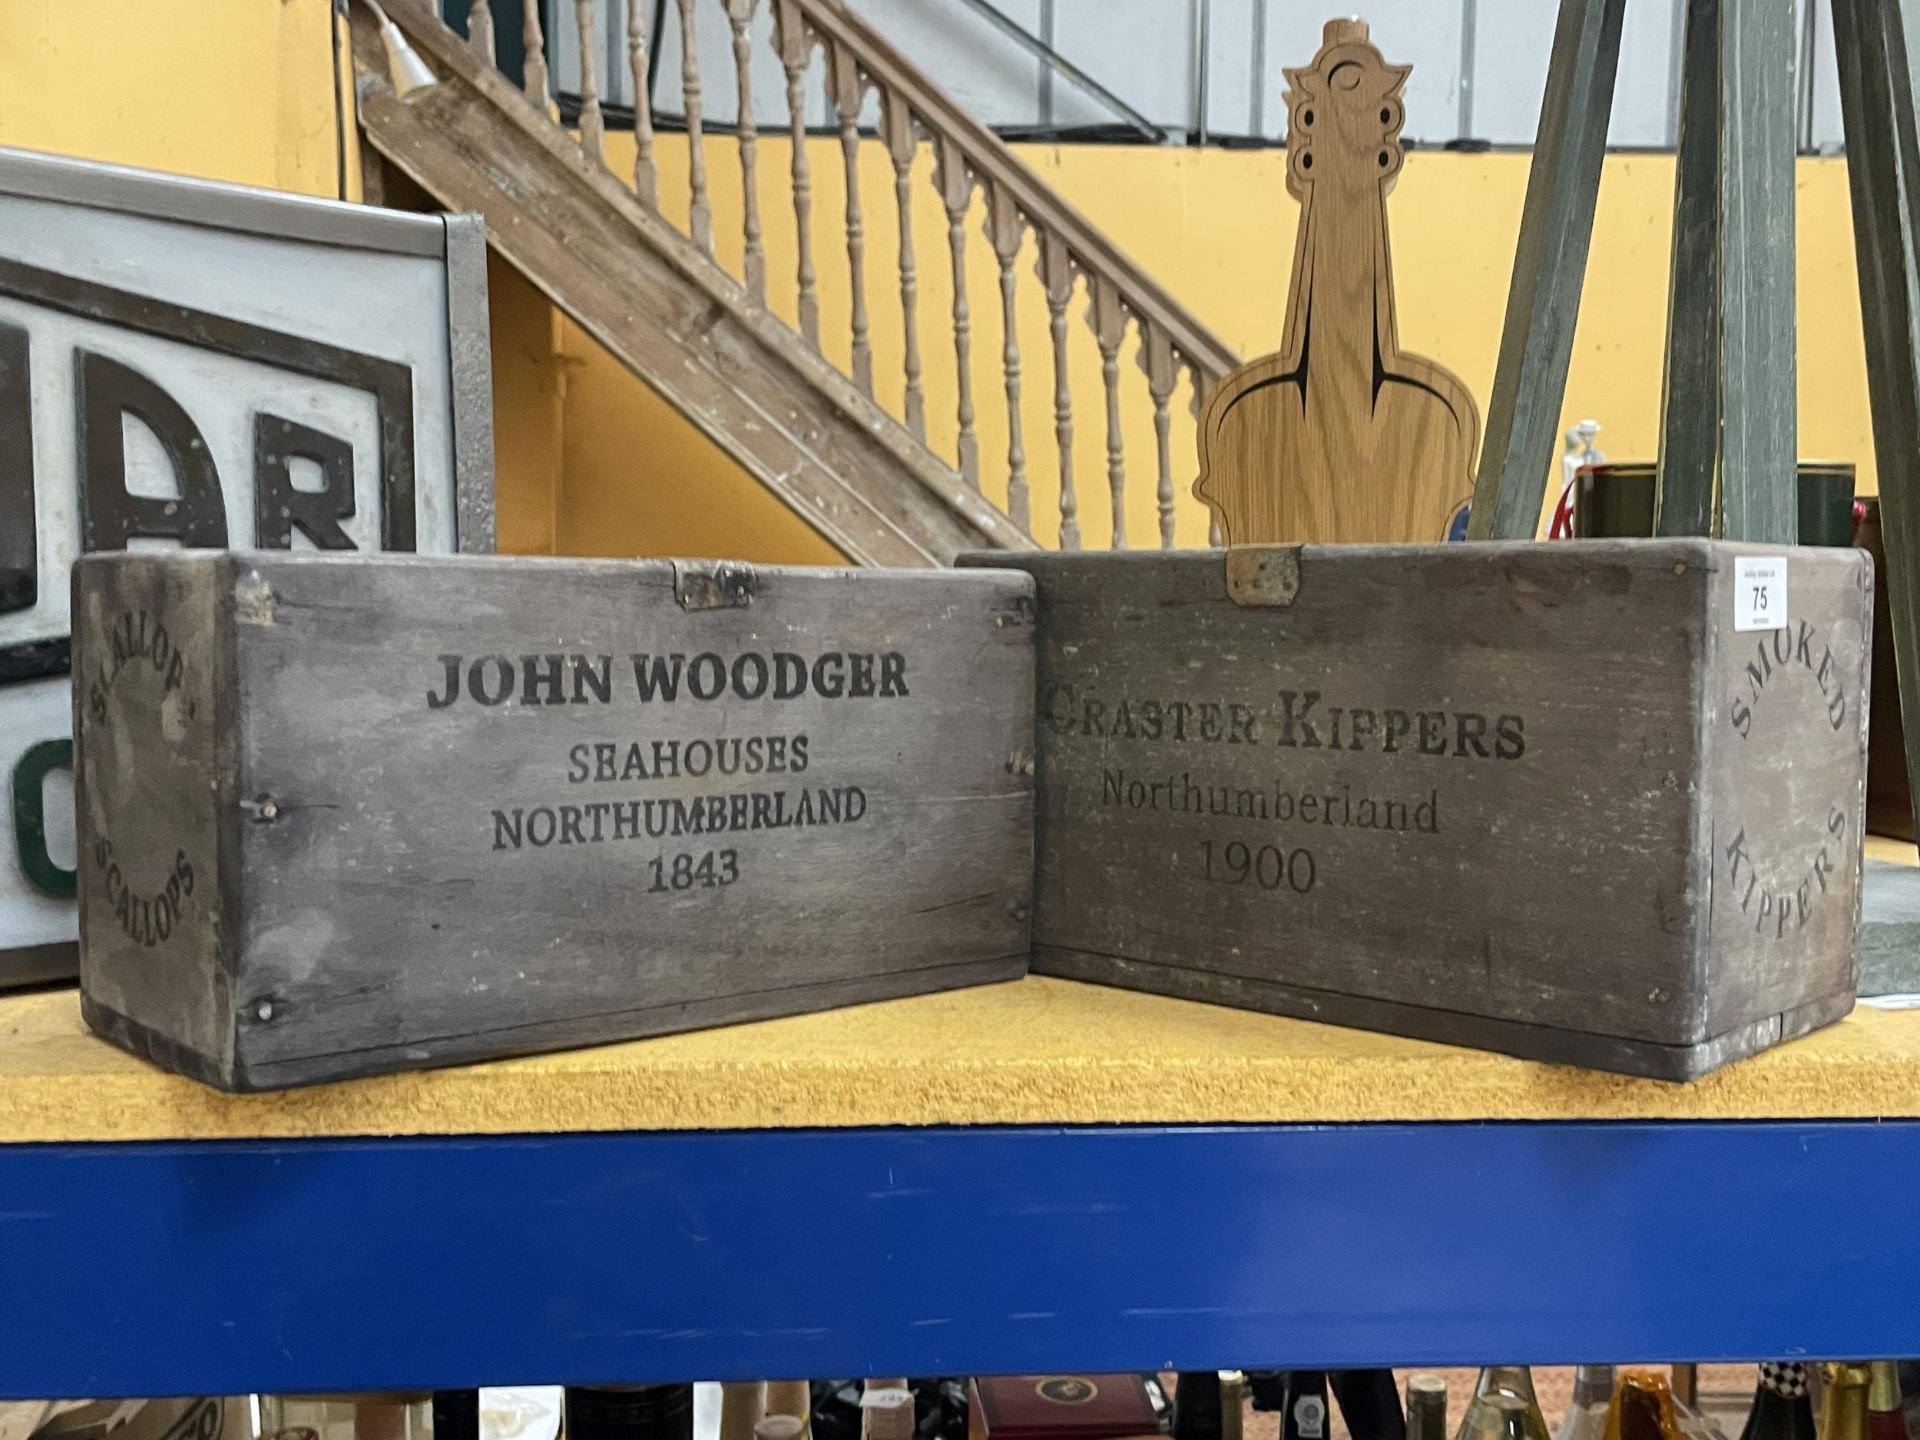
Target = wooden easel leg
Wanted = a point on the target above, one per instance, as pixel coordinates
(1690, 397)
(1759, 465)
(1883, 161)
(1549, 265)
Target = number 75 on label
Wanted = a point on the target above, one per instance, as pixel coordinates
(1759, 592)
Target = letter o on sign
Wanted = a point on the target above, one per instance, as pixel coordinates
(30, 817)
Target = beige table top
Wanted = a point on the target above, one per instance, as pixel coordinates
(1036, 1051)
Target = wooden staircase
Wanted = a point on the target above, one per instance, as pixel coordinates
(764, 390)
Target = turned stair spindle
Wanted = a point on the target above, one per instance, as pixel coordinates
(646, 179)
(956, 193)
(593, 123)
(699, 209)
(1006, 227)
(902, 144)
(1163, 373)
(796, 50)
(534, 73)
(1056, 275)
(1109, 329)
(480, 28)
(740, 16)
(848, 92)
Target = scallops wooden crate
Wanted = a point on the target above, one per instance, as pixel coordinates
(344, 815)
(1598, 802)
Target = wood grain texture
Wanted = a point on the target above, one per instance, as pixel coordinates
(670, 314)
(1689, 459)
(1758, 394)
(1038, 1051)
(1549, 266)
(1341, 435)
(1877, 90)
(1519, 796)
(483, 807)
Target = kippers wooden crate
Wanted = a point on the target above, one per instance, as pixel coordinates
(1598, 802)
(342, 815)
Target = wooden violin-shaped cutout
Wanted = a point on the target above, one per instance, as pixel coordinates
(1341, 436)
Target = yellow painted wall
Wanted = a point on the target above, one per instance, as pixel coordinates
(239, 90)
(1217, 228)
(592, 462)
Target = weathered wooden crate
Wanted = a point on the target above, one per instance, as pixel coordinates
(344, 815)
(1546, 799)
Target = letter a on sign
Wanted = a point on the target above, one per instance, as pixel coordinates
(107, 391)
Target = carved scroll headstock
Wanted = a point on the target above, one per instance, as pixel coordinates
(1340, 436)
(1344, 113)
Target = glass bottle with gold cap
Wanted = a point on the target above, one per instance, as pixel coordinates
(1844, 1411)
(1485, 1419)
(1886, 1407)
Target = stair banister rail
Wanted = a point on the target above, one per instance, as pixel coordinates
(1072, 255)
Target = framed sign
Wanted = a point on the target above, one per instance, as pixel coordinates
(184, 363)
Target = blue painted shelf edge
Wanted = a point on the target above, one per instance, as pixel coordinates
(314, 1265)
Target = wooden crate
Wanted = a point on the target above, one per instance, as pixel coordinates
(345, 815)
(1546, 799)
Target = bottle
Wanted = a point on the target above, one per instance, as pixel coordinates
(795, 1398)
(629, 1412)
(366, 1416)
(886, 1410)
(1233, 1404)
(1483, 1418)
(1643, 1408)
(1844, 1413)
(1586, 1417)
(1501, 1416)
(1782, 1409)
(456, 1415)
(1196, 1405)
(1370, 1401)
(1426, 1407)
(779, 1427)
(741, 1406)
(1303, 1416)
(1886, 1407)
(1267, 1389)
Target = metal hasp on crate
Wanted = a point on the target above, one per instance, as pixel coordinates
(196, 364)
(1728, 406)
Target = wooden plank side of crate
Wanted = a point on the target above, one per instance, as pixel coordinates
(153, 910)
(1450, 792)
(487, 807)
(1785, 821)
